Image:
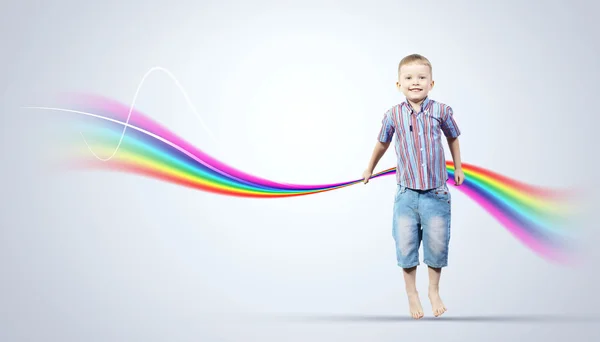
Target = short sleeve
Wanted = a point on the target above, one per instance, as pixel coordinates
(449, 126)
(386, 133)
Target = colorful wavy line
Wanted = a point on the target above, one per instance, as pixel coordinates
(538, 217)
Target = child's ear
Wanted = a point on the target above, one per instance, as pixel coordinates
(432, 83)
(398, 85)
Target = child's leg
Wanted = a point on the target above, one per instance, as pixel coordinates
(437, 305)
(435, 211)
(414, 302)
(407, 235)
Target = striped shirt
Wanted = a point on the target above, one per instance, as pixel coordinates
(419, 149)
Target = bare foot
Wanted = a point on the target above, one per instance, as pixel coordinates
(436, 303)
(416, 310)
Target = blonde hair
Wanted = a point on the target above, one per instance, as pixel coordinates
(414, 58)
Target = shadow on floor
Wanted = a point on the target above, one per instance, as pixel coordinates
(446, 318)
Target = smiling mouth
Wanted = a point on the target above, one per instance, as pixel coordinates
(416, 89)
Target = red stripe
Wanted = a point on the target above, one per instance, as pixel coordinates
(120, 166)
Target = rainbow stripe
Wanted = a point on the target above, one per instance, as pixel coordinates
(535, 216)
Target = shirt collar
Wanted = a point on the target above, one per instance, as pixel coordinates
(423, 104)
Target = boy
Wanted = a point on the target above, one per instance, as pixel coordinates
(422, 200)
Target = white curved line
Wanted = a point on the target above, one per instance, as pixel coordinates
(126, 124)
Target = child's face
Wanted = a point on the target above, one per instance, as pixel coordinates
(415, 81)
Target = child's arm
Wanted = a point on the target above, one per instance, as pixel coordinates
(378, 152)
(459, 176)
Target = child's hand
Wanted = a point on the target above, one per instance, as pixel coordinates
(459, 176)
(367, 175)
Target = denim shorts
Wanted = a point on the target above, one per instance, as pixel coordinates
(422, 215)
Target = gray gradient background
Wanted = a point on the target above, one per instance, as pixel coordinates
(295, 93)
